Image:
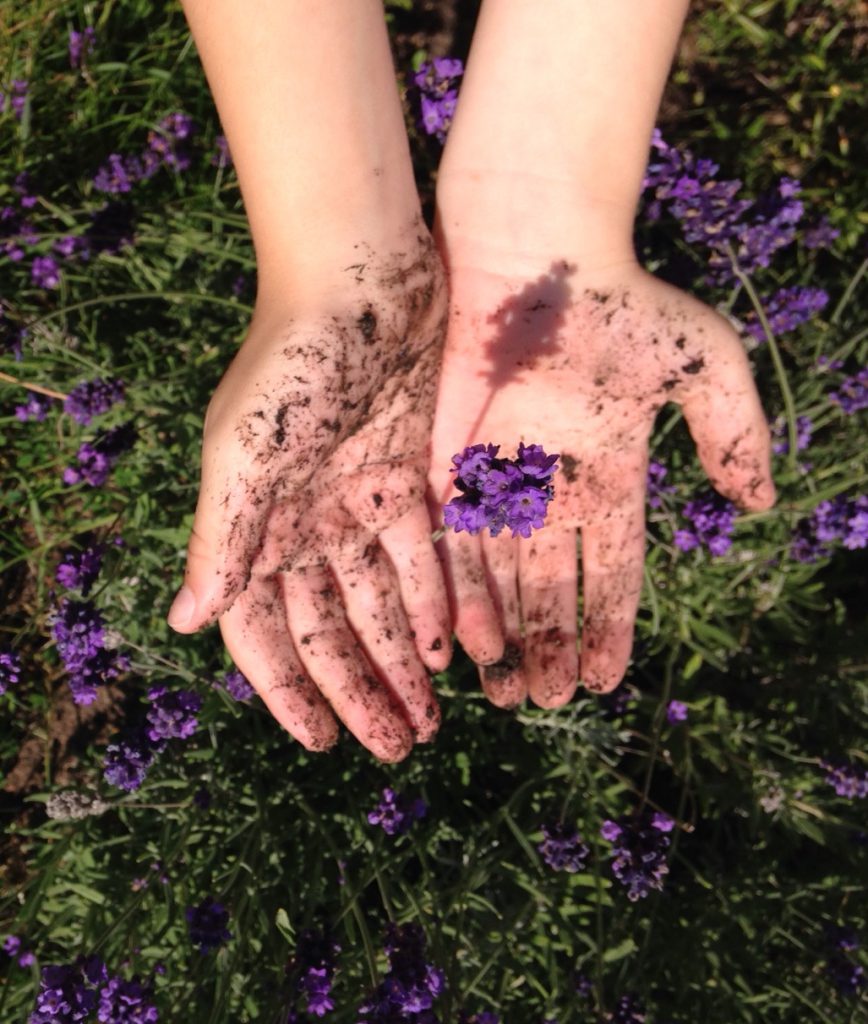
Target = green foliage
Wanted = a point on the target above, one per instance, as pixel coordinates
(767, 652)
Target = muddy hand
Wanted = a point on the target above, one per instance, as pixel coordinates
(311, 541)
(581, 365)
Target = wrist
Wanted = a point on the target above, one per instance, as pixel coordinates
(523, 222)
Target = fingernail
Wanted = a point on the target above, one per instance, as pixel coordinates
(182, 608)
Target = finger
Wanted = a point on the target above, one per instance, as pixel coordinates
(505, 681)
(474, 615)
(727, 423)
(226, 532)
(548, 578)
(337, 664)
(422, 587)
(256, 635)
(373, 608)
(613, 553)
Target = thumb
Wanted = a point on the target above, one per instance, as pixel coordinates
(224, 539)
(726, 420)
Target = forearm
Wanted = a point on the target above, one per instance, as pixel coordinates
(555, 116)
(307, 96)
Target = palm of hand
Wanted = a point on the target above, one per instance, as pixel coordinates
(581, 371)
(311, 539)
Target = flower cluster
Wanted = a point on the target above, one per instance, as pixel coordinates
(786, 310)
(96, 459)
(168, 146)
(237, 686)
(172, 714)
(852, 393)
(395, 814)
(655, 486)
(16, 99)
(207, 924)
(711, 523)
(411, 984)
(79, 632)
(127, 761)
(628, 1010)
(11, 946)
(436, 81)
(846, 976)
(313, 968)
(92, 398)
(712, 214)
(78, 570)
(498, 493)
(847, 780)
(804, 430)
(563, 849)
(81, 45)
(838, 519)
(10, 670)
(72, 992)
(639, 852)
(676, 711)
(36, 408)
(45, 272)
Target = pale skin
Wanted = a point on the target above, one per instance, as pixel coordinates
(311, 541)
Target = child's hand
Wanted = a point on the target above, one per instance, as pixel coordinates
(311, 540)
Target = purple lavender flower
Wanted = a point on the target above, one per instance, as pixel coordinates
(36, 407)
(838, 519)
(44, 272)
(842, 937)
(846, 976)
(395, 814)
(27, 958)
(787, 309)
(411, 984)
(563, 849)
(498, 492)
(711, 522)
(79, 632)
(78, 570)
(639, 852)
(168, 143)
(10, 670)
(656, 488)
(628, 1010)
(92, 398)
(676, 711)
(852, 393)
(117, 175)
(313, 967)
(127, 762)
(821, 235)
(81, 45)
(207, 924)
(95, 460)
(804, 430)
(72, 245)
(126, 1002)
(172, 714)
(237, 686)
(17, 98)
(711, 213)
(11, 945)
(68, 992)
(436, 81)
(847, 780)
